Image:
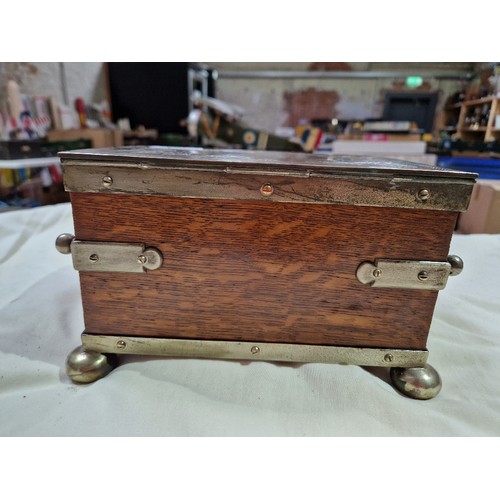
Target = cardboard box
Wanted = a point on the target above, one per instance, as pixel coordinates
(101, 138)
(483, 215)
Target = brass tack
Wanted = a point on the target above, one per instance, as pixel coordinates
(255, 349)
(267, 189)
(388, 358)
(121, 344)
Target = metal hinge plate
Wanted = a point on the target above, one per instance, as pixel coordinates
(412, 274)
(109, 257)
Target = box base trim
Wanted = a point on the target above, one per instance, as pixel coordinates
(255, 351)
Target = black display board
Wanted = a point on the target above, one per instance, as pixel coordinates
(418, 107)
(153, 94)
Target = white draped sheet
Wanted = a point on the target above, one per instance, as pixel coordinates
(41, 321)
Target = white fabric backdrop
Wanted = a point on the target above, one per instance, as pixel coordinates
(41, 322)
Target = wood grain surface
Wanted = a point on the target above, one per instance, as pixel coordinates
(256, 271)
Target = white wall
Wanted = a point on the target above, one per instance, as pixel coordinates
(263, 99)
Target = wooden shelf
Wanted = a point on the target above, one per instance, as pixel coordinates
(481, 133)
(472, 129)
(476, 102)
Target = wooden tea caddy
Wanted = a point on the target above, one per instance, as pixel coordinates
(260, 255)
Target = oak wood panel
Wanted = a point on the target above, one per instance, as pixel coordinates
(258, 271)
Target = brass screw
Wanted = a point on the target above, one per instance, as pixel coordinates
(94, 257)
(388, 358)
(377, 273)
(266, 190)
(423, 276)
(423, 194)
(142, 259)
(121, 344)
(107, 181)
(255, 349)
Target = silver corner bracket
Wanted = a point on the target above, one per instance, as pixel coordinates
(109, 257)
(411, 274)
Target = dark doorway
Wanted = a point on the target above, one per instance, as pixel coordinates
(418, 107)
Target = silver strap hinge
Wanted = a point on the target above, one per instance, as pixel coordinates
(413, 274)
(96, 256)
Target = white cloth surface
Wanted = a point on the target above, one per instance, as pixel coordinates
(41, 321)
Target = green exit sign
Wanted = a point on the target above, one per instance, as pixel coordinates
(414, 81)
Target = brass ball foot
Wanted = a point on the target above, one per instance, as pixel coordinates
(84, 367)
(417, 383)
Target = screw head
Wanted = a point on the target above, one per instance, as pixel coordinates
(142, 259)
(94, 257)
(377, 273)
(423, 194)
(121, 344)
(255, 349)
(266, 190)
(107, 181)
(423, 276)
(388, 358)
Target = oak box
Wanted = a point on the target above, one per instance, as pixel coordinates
(260, 255)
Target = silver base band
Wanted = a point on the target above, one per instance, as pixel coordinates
(255, 351)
